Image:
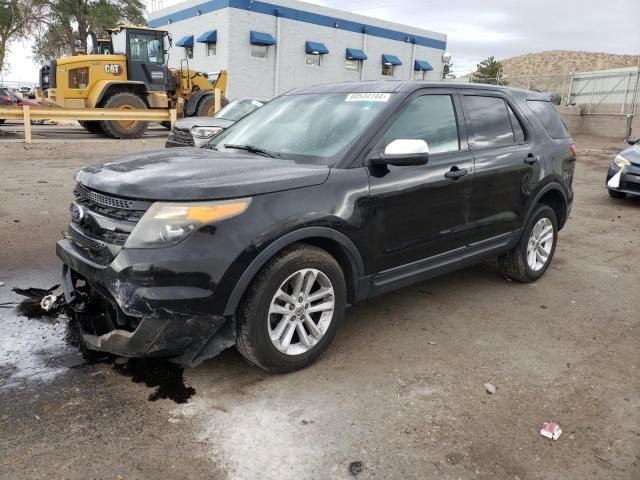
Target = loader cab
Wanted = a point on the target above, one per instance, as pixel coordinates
(104, 46)
(145, 49)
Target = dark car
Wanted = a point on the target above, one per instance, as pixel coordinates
(324, 197)
(6, 100)
(198, 131)
(623, 177)
(15, 98)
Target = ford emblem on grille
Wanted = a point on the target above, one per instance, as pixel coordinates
(77, 213)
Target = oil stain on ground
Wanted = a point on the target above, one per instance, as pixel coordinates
(167, 378)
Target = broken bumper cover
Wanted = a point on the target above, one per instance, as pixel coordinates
(627, 180)
(143, 313)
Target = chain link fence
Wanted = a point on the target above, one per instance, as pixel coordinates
(614, 91)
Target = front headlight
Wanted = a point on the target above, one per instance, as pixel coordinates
(621, 162)
(166, 224)
(205, 132)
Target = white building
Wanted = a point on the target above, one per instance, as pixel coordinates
(271, 47)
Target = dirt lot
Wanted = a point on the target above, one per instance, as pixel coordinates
(400, 390)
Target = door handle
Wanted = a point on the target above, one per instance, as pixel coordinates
(531, 159)
(455, 173)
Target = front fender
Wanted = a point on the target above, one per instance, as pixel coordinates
(348, 247)
(194, 99)
(101, 87)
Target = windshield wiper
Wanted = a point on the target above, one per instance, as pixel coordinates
(251, 149)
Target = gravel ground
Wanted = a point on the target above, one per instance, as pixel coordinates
(400, 390)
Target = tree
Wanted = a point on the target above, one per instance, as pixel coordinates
(14, 23)
(488, 71)
(64, 24)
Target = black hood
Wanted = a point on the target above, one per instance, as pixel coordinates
(632, 154)
(198, 174)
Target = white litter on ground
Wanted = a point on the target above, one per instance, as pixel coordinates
(551, 430)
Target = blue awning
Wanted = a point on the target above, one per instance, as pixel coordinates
(422, 66)
(208, 37)
(315, 48)
(390, 60)
(354, 54)
(259, 38)
(185, 41)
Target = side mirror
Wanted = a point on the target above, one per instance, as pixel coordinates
(403, 152)
(633, 142)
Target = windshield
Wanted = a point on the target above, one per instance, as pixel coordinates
(314, 126)
(238, 109)
(146, 47)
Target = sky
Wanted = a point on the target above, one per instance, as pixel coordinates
(477, 29)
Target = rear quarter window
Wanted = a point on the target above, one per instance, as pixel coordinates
(550, 119)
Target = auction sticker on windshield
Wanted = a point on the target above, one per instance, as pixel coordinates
(368, 97)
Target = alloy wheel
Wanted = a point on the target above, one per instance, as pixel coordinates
(301, 311)
(540, 244)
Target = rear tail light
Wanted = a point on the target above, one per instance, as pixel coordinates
(573, 150)
(5, 99)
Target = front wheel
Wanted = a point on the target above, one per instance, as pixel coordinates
(292, 309)
(124, 128)
(529, 260)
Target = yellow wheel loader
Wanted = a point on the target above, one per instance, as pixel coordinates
(129, 70)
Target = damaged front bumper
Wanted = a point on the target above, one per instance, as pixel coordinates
(132, 309)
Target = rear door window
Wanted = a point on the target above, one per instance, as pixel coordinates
(551, 121)
(490, 122)
(430, 118)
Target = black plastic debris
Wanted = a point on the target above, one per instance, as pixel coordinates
(355, 468)
(35, 294)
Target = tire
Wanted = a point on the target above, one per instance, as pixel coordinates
(207, 105)
(514, 264)
(124, 129)
(91, 126)
(614, 194)
(255, 320)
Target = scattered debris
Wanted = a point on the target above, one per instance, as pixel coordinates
(490, 388)
(221, 408)
(551, 430)
(355, 468)
(174, 420)
(200, 442)
(432, 343)
(602, 459)
(49, 302)
(121, 360)
(35, 294)
(1, 284)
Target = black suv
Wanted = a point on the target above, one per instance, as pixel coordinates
(324, 197)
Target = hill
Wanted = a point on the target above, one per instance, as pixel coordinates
(560, 62)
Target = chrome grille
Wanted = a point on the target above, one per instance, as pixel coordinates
(183, 136)
(85, 241)
(83, 193)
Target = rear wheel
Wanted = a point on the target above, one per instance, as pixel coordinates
(91, 126)
(292, 309)
(124, 128)
(529, 260)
